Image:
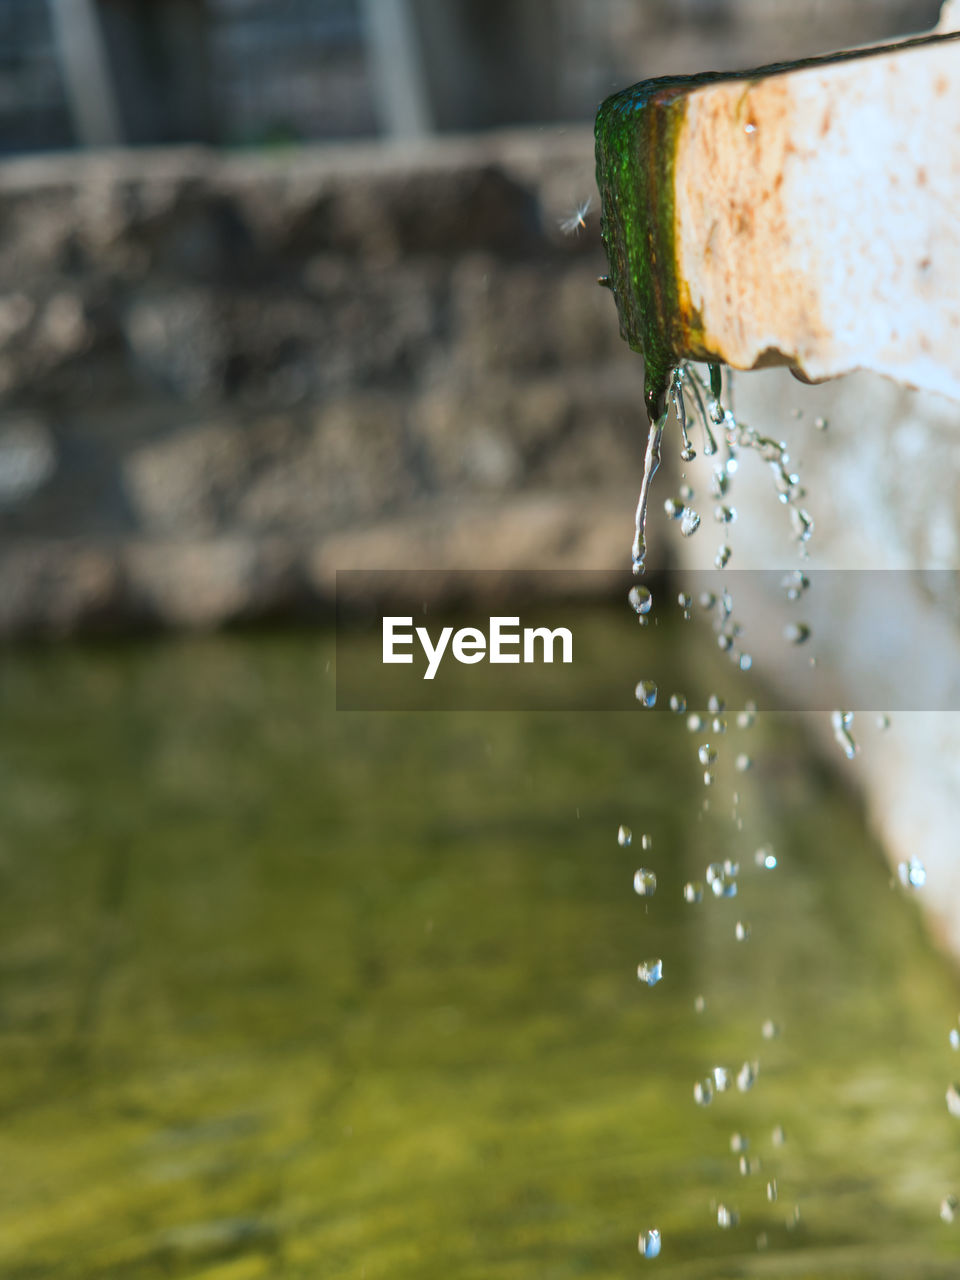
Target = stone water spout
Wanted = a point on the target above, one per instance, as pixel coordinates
(805, 214)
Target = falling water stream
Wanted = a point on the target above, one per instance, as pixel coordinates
(766, 1180)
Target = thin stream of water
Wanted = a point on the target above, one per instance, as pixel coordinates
(651, 464)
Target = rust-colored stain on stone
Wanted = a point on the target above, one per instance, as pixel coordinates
(734, 152)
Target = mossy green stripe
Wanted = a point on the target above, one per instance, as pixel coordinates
(636, 133)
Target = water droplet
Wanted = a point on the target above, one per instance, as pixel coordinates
(913, 874)
(649, 1243)
(726, 1218)
(707, 599)
(747, 1076)
(778, 1137)
(742, 931)
(722, 558)
(694, 722)
(738, 1143)
(771, 450)
(724, 642)
(646, 693)
(795, 584)
(748, 1166)
(770, 1030)
(624, 836)
(678, 704)
(746, 717)
(954, 1038)
(650, 972)
(749, 128)
(802, 524)
(645, 883)
(883, 723)
(721, 1079)
(689, 522)
(707, 754)
(719, 725)
(949, 1208)
(787, 486)
(725, 515)
(699, 1004)
(842, 722)
(693, 891)
(766, 858)
(953, 1100)
(716, 705)
(796, 633)
(821, 424)
(719, 870)
(641, 599)
(772, 1192)
(686, 493)
(685, 602)
(744, 763)
(724, 888)
(646, 841)
(746, 662)
(703, 1092)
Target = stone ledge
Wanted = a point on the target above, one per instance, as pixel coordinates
(52, 589)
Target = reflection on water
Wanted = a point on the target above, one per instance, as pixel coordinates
(286, 992)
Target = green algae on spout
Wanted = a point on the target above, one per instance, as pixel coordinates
(636, 135)
(637, 132)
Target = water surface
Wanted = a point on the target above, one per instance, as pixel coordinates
(286, 992)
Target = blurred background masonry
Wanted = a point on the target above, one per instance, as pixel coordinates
(283, 289)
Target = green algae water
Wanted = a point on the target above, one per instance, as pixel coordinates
(286, 992)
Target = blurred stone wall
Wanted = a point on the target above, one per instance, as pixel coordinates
(221, 378)
(224, 376)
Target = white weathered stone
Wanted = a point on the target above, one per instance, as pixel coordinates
(816, 217)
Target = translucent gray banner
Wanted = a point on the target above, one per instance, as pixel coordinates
(799, 640)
